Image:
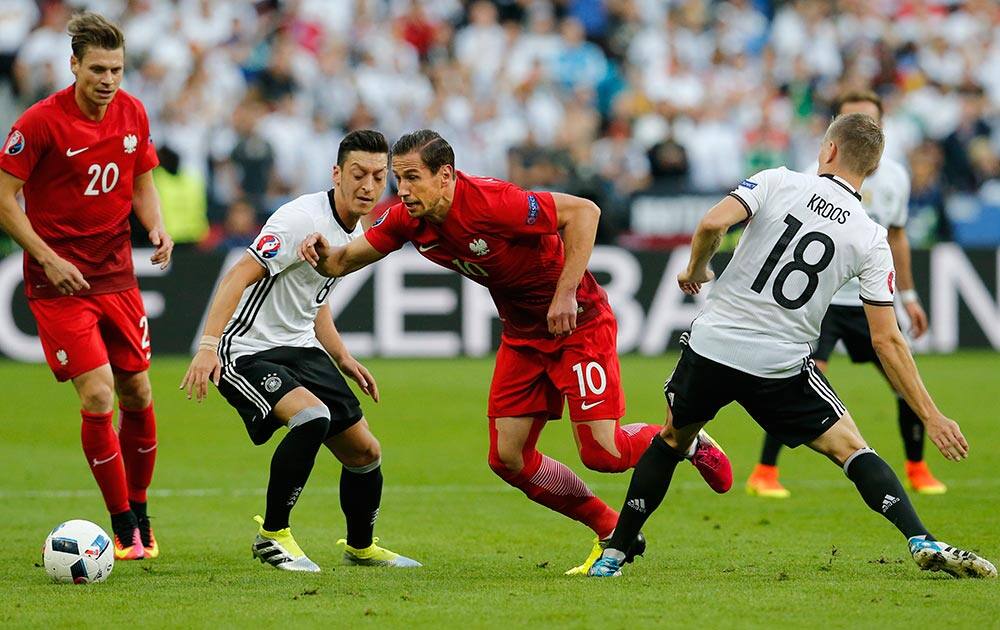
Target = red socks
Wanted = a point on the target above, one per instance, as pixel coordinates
(631, 440)
(553, 485)
(137, 436)
(100, 445)
(634, 439)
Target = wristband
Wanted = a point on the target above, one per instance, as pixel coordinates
(909, 296)
(209, 342)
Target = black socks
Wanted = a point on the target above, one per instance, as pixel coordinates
(769, 452)
(912, 430)
(290, 467)
(881, 490)
(646, 490)
(360, 497)
(123, 525)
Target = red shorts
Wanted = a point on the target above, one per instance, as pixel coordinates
(533, 376)
(79, 334)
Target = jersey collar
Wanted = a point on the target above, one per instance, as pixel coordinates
(843, 184)
(333, 209)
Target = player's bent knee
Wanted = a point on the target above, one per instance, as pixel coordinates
(367, 454)
(136, 397)
(505, 464)
(97, 397)
(597, 458)
(134, 390)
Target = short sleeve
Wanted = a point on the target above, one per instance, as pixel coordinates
(147, 158)
(522, 212)
(389, 232)
(26, 143)
(877, 275)
(530, 212)
(752, 191)
(276, 247)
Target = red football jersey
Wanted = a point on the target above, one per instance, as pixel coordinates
(501, 237)
(78, 177)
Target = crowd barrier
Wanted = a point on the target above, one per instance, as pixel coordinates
(406, 306)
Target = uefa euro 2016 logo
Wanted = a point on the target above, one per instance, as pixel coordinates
(15, 143)
(268, 246)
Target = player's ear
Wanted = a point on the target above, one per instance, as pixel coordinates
(337, 173)
(832, 152)
(446, 173)
(74, 64)
(827, 152)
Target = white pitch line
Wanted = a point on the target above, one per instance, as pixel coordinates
(491, 488)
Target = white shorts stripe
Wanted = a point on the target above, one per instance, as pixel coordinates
(826, 398)
(829, 390)
(240, 388)
(249, 388)
(247, 392)
(815, 384)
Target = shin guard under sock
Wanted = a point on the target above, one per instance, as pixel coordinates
(360, 497)
(881, 490)
(137, 437)
(290, 467)
(646, 490)
(100, 445)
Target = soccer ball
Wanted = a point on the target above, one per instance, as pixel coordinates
(78, 552)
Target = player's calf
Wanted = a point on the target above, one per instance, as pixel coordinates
(547, 481)
(606, 446)
(882, 492)
(292, 463)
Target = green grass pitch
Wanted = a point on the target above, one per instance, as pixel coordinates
(492, 558)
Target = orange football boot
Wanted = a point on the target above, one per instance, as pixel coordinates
(763, 482)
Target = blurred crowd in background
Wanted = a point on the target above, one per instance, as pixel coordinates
(602, 98)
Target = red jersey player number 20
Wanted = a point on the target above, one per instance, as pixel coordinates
(78, 184)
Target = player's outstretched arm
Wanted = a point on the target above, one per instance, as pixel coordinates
(900, 246)
(61, 273)
(899, 366)
(329, 337)
(146, 205)
(205, 363)
(706, 241)
(578, 219)
(334, 262)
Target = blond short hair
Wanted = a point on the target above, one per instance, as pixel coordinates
(857, 96)
(91, 30)
(859, 141)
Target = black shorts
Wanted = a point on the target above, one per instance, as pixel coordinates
(254, 384)
(795, 410)
(849, 324)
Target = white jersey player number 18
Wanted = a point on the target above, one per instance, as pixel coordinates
(798, 263)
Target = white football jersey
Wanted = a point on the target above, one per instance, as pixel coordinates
(280, 310)
(807, 236)
(885, 194)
